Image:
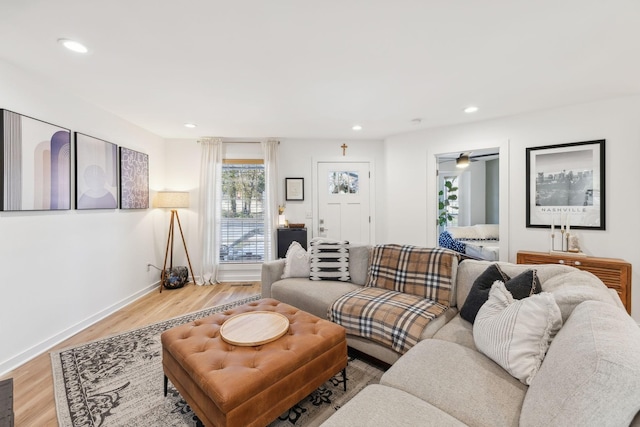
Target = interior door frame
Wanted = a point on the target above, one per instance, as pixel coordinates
(314, 191)
(432, 190)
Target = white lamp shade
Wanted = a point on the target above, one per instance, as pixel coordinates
(172, 199)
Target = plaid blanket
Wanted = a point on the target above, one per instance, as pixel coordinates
(391, 318)
(425, 272)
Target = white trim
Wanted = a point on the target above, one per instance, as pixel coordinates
(47, 344)
(372, 190)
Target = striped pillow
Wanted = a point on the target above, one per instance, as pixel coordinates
(329, 260)
(516, 334)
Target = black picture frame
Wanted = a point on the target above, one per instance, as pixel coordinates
(96, 166)
(566, 185)
(294, 189)
(35, 164)
(134, 179)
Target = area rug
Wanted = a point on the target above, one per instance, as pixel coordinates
(118, 381)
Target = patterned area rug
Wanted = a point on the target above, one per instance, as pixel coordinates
(117, 381)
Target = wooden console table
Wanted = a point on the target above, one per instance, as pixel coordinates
(615, 273)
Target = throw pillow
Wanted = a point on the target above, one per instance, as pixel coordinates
(516, 334)
(521, 286)
(479, 292)
(296, 261)
(329, 260)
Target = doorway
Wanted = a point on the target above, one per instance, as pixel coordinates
(478, 203)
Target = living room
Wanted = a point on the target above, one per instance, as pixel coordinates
(66, 270)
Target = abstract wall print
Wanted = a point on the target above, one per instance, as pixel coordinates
(566, 185)
(96, 173)
(343, 182)
(134, 179)
(36, 164)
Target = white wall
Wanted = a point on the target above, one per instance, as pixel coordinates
(295, 160)
(615, 120)
(63, 270)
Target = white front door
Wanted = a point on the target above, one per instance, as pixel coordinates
(343, 200)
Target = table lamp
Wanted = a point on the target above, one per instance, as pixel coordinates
(173, 200)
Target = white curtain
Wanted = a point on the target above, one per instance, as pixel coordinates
(270, 153)
(210, 209)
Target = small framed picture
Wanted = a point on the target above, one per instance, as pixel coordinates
(294, 188)
(565, 185)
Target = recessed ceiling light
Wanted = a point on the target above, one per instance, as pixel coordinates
(416, 121)
(73, 45)
(189, 125)
(356, 127)
(471, 109)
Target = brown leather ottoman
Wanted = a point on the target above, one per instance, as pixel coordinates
(229, 385)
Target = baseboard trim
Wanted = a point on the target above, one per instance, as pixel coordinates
(47, 344)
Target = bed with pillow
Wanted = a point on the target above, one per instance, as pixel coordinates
(480, 241)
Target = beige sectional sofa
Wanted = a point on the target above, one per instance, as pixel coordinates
(590, 375)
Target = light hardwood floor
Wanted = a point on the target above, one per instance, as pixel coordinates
(33, 400)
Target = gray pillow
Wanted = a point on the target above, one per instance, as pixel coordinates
(521, 286)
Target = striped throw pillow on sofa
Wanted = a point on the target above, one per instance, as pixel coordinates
(329, 260)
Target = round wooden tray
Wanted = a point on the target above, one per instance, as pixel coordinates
(254, 328)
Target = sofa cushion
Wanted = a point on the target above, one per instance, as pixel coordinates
(378, 405)
(392, 318)
(462, 382)
(329, 260)
(516, 333)
(591, 375)
(359, 263)
(576, 286)
(296, 261)
(457, 330)
(307, 295)
(521, 286)
(425, 272)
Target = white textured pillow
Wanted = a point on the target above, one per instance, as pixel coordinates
(296, 261)
(465, 232)
(488, 231)
(516, 334)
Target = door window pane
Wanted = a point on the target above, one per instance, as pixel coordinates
(343, 182)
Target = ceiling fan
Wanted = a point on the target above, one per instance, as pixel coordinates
(463, 160)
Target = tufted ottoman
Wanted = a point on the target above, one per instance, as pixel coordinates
(228, 385)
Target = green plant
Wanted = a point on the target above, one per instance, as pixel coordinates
(445, 208)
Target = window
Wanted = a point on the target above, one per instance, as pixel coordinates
(242, 226)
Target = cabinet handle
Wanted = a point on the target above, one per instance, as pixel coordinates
(560, 261)
(577, 263)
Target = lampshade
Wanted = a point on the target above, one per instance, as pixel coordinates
(172, 199)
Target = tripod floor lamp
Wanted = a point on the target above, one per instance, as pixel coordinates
(173, 200)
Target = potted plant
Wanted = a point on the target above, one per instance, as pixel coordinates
(445, 208)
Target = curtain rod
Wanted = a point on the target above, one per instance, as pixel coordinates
(238, 142)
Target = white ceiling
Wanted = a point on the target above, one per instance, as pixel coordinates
(312, 69)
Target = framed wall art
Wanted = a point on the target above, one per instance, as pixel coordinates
(96, 173)
(566, 185)
(294, 189)
(134, 179)
(36, 164)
